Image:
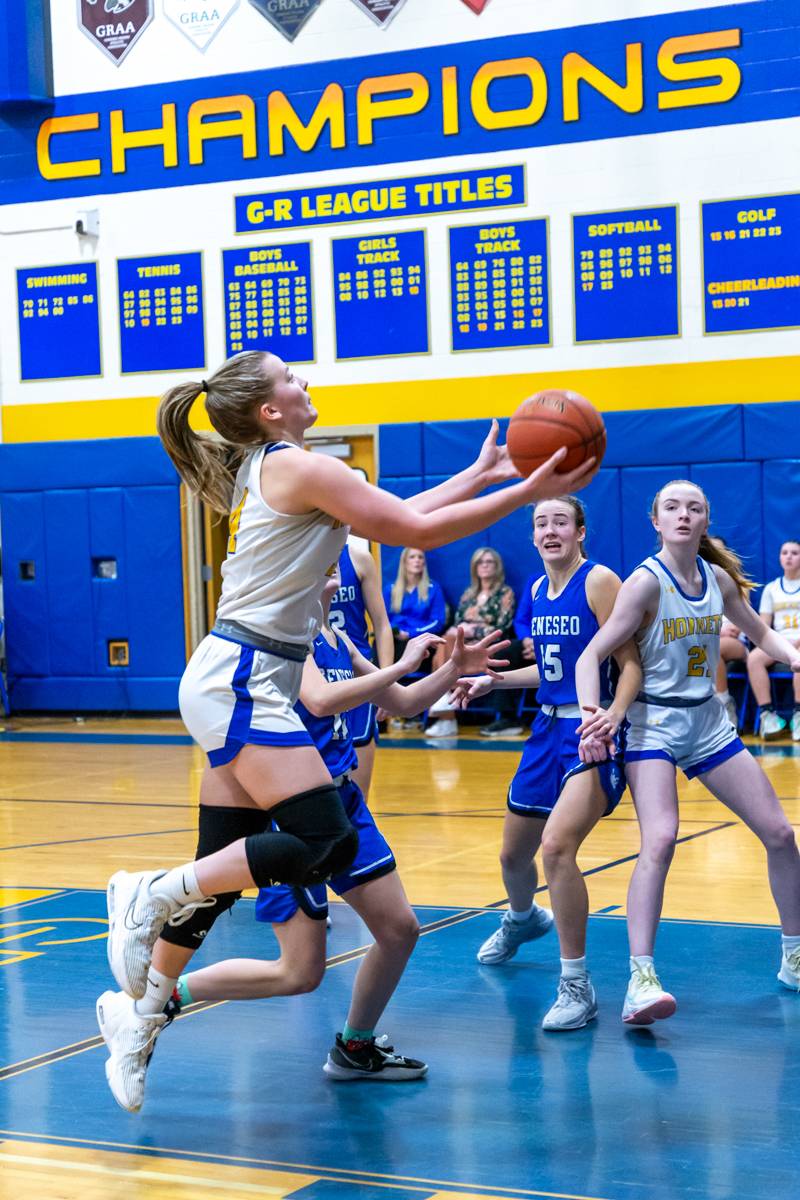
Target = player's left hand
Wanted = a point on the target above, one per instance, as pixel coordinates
(493, 461)
(477, 658)
(600, 722)
(595, 749)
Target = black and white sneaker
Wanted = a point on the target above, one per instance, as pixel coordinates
(373, 1060)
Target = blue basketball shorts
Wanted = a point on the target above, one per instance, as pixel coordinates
(549, 759)
(276, 905)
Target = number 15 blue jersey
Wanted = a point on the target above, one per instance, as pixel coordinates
(561, 630)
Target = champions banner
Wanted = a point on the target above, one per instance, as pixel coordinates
(708, 67)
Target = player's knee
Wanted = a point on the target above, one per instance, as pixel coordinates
(513, 858)
(303, 977)
(659, 846)
(400, 931)
(780, 838)
(314, 840)
(557, 850)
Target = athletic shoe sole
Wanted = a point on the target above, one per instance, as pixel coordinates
(569, 1028)
(107, 1034)
(116, 961)
(388, 1075)
(792, 983)
(659, 1010)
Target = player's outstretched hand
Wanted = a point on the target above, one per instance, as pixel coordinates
(493, 462)
(479, 657)
(469, 689)
(418, 648)
(547, 481)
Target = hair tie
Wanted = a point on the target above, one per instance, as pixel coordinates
(203, 385)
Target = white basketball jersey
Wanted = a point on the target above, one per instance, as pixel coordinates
(277, 564)
(680, 650)
(781, 597)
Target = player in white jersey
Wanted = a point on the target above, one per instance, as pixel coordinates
(674, 605)
(780, 608)
(290, 511)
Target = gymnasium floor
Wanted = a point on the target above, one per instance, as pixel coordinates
(705, 1105)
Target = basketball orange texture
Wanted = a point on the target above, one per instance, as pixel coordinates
(552, 419)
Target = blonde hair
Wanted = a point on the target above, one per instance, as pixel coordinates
(499, 570)
(717, 555)
(233, 396)
(579, 513)
(401, 580)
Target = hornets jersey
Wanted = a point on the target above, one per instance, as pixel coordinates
(277, 563)
(331, 735)
(561, 629)
(347, 606)
(680, 649)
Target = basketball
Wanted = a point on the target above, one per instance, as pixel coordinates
(551, 419)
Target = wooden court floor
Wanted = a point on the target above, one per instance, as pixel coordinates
(81, 800)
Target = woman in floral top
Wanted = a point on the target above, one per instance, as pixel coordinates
(487, 604)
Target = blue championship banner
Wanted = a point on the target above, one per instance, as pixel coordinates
(59, 323)
(380, 296)
(751, 264)
(721, 65)
(499, 286)
(626, 274)
(424, 194)
(161, 313)
(268, 300)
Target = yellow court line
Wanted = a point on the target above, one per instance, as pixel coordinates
(448, 1188)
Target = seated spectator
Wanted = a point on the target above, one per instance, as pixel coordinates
(732, 648)
(780, 608)
(486, 605)
(414, 602)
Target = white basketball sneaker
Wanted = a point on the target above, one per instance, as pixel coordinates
(575, 1006)
(789, 974)
(131, 1039)
(645, 1000)
(771, 725)
(136, 915)
(796, 725)
(506, 941)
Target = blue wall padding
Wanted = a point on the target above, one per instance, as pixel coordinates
(767, 428)
(115, 500)
(732, 451)
(649, 438)
(401, 451)
(781, 506)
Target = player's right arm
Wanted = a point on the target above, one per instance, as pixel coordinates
(325, 699)
(636, 602)
(302, 482)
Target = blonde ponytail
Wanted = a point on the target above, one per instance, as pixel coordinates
(234, 395)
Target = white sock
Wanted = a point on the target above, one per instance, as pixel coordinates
(637, 961)
(159, 990)
(788, 943)
(521, 916)
(574, 968)
(180, 885)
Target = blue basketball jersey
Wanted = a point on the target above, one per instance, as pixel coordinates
(331, 735)
(561, 630)
(347, 606)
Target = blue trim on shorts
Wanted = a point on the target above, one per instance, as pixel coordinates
(368, 732)
(640, 755)
(715, 760)
(239, 731)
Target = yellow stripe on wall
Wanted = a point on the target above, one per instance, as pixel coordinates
(673, 385)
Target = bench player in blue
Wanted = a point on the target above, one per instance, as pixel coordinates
(555, 798)
(360, 594)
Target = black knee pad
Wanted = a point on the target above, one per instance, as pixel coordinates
(313, 841)
(218, 828)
